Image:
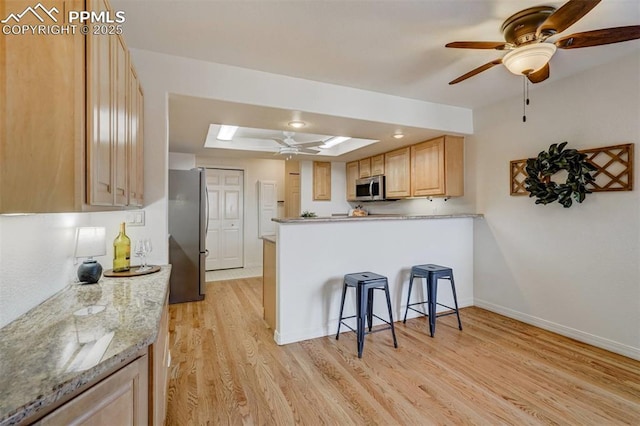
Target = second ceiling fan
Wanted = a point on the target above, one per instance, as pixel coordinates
(290, 147)
(526, 33)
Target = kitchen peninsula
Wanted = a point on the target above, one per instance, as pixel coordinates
(95, 352)
(313, 254)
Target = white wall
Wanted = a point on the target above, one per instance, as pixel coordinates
(575, 271)
(180, 161)
(254, 170)
(310, 276)
(337, 204)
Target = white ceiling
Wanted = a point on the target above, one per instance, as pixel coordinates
(389, 46)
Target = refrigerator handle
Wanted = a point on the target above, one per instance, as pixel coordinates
(206, 212)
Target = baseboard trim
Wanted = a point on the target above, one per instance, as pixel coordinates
(591, 339)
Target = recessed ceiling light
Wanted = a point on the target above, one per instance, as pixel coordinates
(331, 142)
(226, 132)
(297, 124)
(398, 135)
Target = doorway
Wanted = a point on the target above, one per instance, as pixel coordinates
(225, 230)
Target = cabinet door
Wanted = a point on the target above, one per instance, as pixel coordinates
(120, 399)
(377, 165)
(269, 283)
(364, 168)
(454, 165)
(427, 168)
(321, 181)
(119, 95)
(437, 167)
(352, 175)
(397, 167)
(159, 369)
(135, 143)
(100, 131)
(42, 131)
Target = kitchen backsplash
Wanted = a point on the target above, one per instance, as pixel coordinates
(420, 206)
(36, 255)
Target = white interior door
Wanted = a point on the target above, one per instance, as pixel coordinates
(225, 234)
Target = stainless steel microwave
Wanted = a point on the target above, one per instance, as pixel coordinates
(370, 189)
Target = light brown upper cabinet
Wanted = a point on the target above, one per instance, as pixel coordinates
(364, 167)
(437, 167)
(377, 165)
(352, 175)
(136, 146)
(65, 138)
(42, 131)
(114, 126)
(397, 167)
(321, 181)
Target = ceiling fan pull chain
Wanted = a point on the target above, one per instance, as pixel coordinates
(525, 99)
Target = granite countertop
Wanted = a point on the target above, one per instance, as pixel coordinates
(373, 217)
(270, 238)
(74, 337)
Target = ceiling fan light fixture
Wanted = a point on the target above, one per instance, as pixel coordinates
(297, 124)
(530, 58)
(226, 132)
(331, 142)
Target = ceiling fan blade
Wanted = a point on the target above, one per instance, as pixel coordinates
(280, 141)
(477, 71)
(599, 37)
(541, 75)
(308, 151)
(498, 45)
(310, 144)
(570, 13)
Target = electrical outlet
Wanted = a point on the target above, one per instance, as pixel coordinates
(135, 218)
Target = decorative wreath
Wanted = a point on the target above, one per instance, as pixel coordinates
(540, 169)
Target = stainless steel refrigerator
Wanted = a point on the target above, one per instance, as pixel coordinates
(187, 234)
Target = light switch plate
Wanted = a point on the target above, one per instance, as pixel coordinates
(135, 218)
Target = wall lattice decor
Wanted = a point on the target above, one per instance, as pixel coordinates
(614, 170)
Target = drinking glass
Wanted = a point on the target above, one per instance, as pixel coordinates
(141, 251)
(148, 248)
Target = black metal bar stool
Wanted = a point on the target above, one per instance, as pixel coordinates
(431, 274)
(365, 283)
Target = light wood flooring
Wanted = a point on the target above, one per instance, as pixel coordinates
(226, 369)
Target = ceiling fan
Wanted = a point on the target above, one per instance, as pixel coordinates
(290, 147)
(526, 32)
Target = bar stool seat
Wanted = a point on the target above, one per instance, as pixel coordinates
(365, 283)
(432, 273)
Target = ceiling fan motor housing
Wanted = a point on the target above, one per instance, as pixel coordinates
(521, 27)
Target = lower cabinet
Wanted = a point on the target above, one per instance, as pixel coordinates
(136, 394)
(159, 372)
(269, 283)
(120, 399)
